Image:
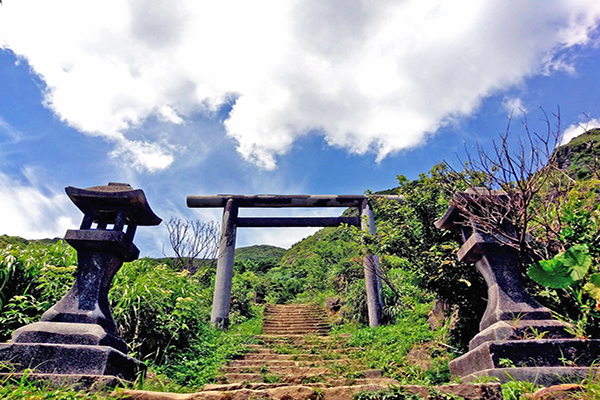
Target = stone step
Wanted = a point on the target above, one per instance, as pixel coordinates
(328, 382)
(303, 328)
(259, 349)
(304, 345)
(277, 332)
(267, 391)
(294, 315)
(287, 319)
(294, 320)
(256, 366)
(298, 326)
(290, 371)
(271, 314)
(299, 338)
(260, 363)
(292, 306)
(273, 356)
(338, 337)
(236, 378)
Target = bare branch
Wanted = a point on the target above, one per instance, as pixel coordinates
(193, 240)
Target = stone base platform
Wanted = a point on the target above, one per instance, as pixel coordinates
(72, 381)
(544, 361)
(69, 359)
(544, 376)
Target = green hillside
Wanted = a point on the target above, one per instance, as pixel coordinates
(17, 240)
(580, 157)
(259, 253)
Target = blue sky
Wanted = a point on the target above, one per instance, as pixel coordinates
(297, 97)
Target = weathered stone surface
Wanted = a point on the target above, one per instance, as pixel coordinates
(438, 314)
(527, 353)
(558, 392)
(545, 376)
(148, 395)
(507, 298)
(488, 391)
(420, 356)
(305, 392)
(104, 203)
(70, 359)
(372, 373)
(68, 333)
(72, 381)
(520, 330)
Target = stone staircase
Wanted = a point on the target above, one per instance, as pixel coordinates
(292, 359)
(294, 349)
(296, 359)
(295, 319)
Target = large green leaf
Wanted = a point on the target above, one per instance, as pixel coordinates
(551, 273)
(578, 258)
(593, 286)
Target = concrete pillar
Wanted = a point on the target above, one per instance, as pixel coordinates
(372, 269)
(226, 255)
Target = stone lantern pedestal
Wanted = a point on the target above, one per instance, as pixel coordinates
(76, 339)
(518, 337)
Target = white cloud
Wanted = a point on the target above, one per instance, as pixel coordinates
(33, 210)
(579, 128)
(513, 105)
(377, 76)
(144, 155)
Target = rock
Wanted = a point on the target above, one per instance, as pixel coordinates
(348, 392)
(292, 393)
(558, 392)
(438, 314)
(333, 305)
(488, 391)
(372, 374)
(419, 356)
(148, 395)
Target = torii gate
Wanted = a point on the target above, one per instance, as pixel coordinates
(231, 221)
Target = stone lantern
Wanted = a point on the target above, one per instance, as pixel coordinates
(77, 337)
(507, 345)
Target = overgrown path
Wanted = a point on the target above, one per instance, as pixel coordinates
(296, 359)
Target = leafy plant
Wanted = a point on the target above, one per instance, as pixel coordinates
(506, 363)
(392, 393)
(564, 269)
(514, 390)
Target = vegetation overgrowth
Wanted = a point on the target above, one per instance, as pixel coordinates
(162, 310)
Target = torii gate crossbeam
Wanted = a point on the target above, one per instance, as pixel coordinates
(231, 221)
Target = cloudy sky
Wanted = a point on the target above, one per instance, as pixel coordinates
(192, 97)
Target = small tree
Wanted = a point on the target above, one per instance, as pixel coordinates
(191, 240)
(533, 185)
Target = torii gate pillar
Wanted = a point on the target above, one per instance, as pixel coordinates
(372, 269)
(226, 256)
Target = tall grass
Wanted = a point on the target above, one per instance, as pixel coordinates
(161, 313)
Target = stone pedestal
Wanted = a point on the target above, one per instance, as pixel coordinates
(77, 337)
(518, 337)
(70, 359)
